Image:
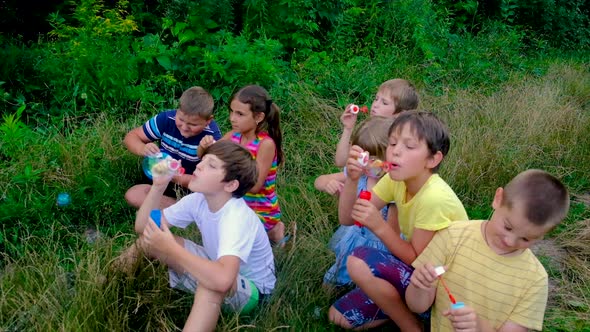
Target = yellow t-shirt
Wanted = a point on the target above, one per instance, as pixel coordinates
(433, 207)
(499, 288)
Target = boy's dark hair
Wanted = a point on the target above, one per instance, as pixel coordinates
(543, 198)
(238, 163)
(403, 94)
(197, 101)
(372, 137)
(427, 127)
(260, 102)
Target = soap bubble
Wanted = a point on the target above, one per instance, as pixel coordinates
(150, 161)
(63, 199)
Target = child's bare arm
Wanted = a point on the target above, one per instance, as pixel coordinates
(421, 292)
(342, 148)
(330, 183)
(368, 214)
(392, 218)
(348, 119)
(217, 275)
(138, 143)
(151, 202)
(266, 153)
(348, 195)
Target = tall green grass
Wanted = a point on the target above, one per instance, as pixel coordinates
(52, 279)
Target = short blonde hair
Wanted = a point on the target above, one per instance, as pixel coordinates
(403, 94)
(197, 101)
(544, 199)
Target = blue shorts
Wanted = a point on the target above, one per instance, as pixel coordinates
(356, 306)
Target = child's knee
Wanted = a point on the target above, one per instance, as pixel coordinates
(357, 268)
(136, 194)
(338, 319)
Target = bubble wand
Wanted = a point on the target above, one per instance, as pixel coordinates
(439, 270)
(373, 167)
(354, 109)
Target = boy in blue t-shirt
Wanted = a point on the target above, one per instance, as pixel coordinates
(180, 133)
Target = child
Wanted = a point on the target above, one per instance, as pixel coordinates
(418, 141)
(180, 132)
(235, 262)
(393, 97)
(371, 136)
(256, 125)
(489, 265)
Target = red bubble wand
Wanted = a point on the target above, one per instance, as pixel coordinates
(455, 305)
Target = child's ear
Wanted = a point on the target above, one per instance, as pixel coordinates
(498, 197)
(259, 117)
(231, 186)
(435, 160)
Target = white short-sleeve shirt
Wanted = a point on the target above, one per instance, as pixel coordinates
(234, 230)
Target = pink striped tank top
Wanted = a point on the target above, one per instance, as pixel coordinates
(264, 202)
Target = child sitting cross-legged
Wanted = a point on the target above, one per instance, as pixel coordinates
(489, 266)
(235, 263)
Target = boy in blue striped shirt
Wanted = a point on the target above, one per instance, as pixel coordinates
(179, 133)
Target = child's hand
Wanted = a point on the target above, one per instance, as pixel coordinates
(150, 149)
(160, 239)
(348, 119)
(367, 214)
(353, 168)
(161, 179)
(206, 142)
(463, 319)
(424, 277)
(333, 187)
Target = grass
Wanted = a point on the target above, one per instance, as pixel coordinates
(51, 276)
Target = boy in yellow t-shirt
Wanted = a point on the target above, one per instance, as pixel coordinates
(425, 204)
(489, 266)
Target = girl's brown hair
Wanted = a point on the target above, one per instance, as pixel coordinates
(260, 102)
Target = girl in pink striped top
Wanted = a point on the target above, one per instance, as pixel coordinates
(256, 125)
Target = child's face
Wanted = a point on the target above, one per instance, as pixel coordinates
(409, 155)
(242, 118)
(190, 125)
(208, 176)
(509, 230)
(383, 105)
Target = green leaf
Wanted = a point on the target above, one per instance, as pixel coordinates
(164, 61)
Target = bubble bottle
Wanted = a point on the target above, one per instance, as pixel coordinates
(156, 216)
(363, 195)
(161, 164)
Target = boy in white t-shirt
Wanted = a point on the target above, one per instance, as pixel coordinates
(235, 262)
